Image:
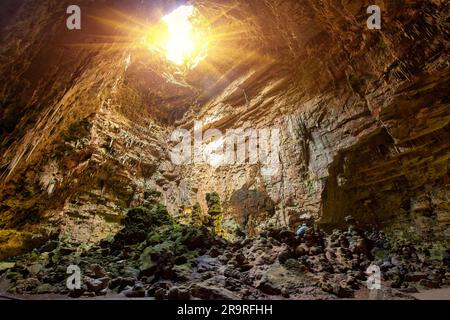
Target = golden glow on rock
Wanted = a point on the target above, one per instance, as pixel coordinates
(181, 37)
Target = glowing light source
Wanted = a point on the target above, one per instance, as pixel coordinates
(180, 44)
(182, 38)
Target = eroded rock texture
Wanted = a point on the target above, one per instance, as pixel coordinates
(86, 116)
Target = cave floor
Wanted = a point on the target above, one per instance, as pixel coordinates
(363, 294)
(154, 257)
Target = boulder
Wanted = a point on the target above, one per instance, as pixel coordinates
(122, 282)
(301, 250)
(415, 276)
(432, 284)
(137, 291)
(97, 285)
(208, 292)
(285, 254)
(178, 293)
(96, 271)
(49, 246)
(268, 288)
(161, 294)
(342, 291)
(44, 288)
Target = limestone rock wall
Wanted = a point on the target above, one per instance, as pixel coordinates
(364, 117)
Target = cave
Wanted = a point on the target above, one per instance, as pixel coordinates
(224, 149)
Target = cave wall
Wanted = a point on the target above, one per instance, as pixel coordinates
(364, 115)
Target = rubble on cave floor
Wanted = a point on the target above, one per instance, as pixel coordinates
(153, 256)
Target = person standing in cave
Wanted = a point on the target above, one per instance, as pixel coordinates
(302, 230)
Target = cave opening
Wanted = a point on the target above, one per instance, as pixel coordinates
(181, 36)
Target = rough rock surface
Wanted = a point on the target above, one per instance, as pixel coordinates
(181, 262)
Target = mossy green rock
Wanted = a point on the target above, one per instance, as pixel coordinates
(149, 217)
(139, 222)
(214, 203)
(155, 256)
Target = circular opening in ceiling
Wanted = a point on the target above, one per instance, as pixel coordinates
(181, 36)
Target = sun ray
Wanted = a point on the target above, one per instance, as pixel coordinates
(181, 36)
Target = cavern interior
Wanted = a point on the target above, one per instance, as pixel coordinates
(224, 149)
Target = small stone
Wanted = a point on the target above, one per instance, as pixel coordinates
(6, 266)
(386, 265)
(35, 268)
(245, 267)
(415, 276)
(397, 283)
(432, 284)
(76, 293)
(66, 251)
(97, 271)
(232, 284)
(408, 289)
(96, 285)
(294, 266)
(208, 292)
(180, 260)
(301, 250)
(160, 294)
(120, 283)
(343, 292)
(315, 250)
(49, 246)
(285, 255)
(268, 288)
(102, 292)
(214, 252)
(180, 273)
(44, 288)
(26, 285)
(230, 272)
(177, 293)
(352, 283)
(89, 294)
(240, 259)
